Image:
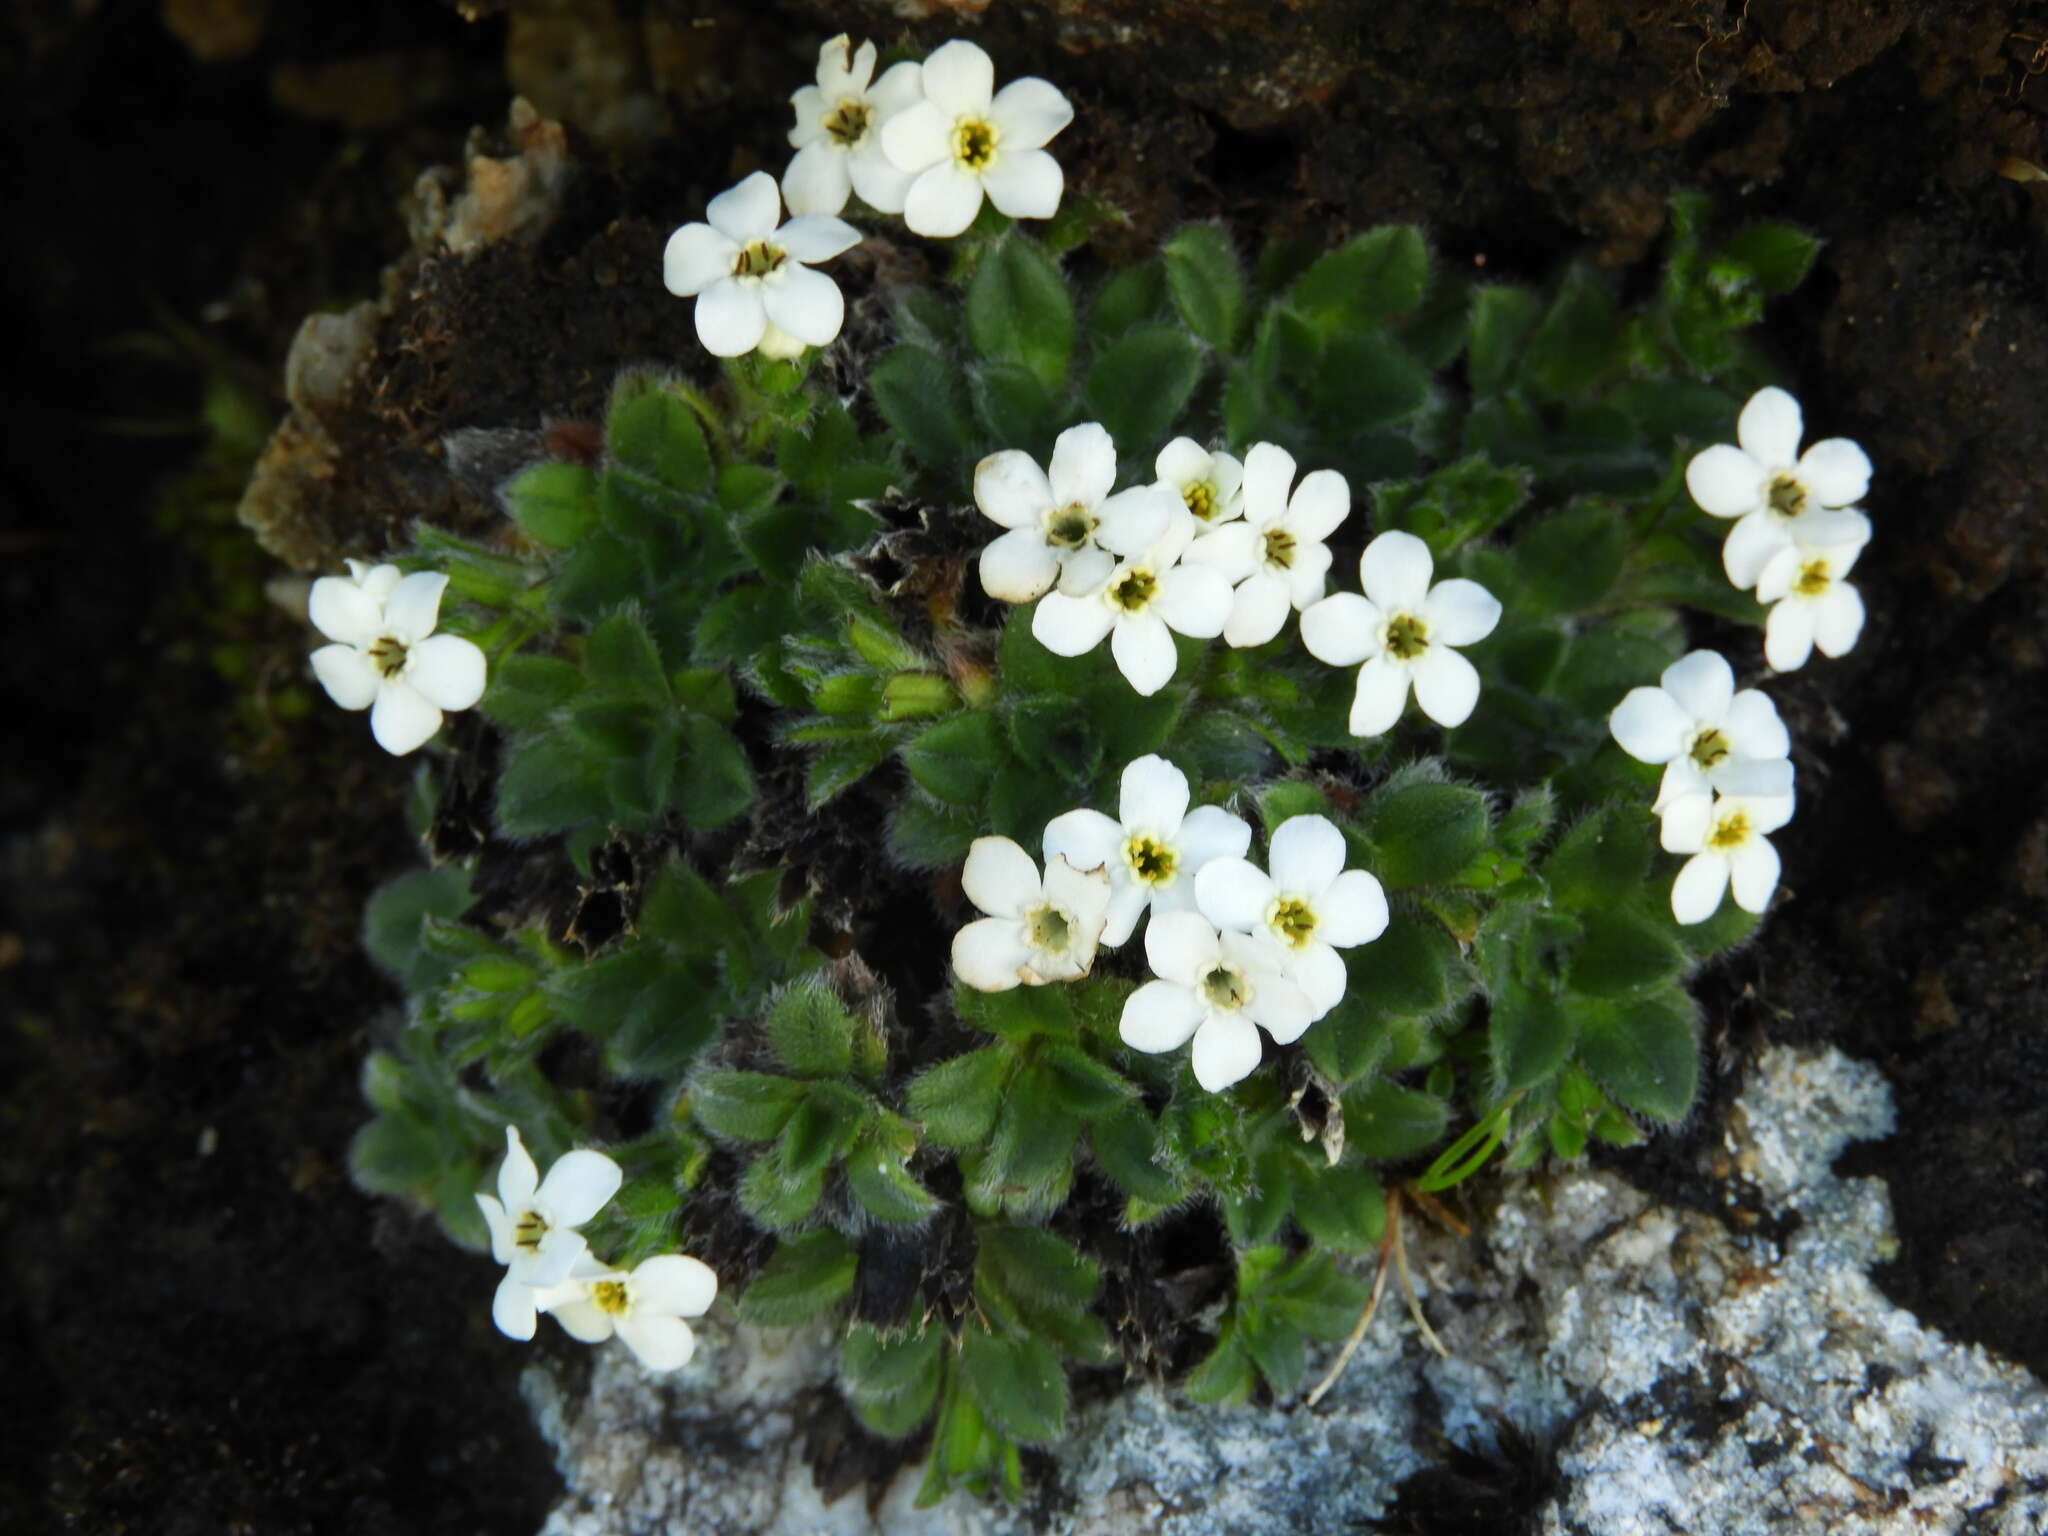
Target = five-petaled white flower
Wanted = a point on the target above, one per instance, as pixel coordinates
(1063, 526)
(1403, 629)
(645, 1306)
(751, 274)
(1770, 486)
(1209, 484)
(1726, 837)
(1147, 600)
(1700, 728)
(1219, 989)
(966, 138)
(533, 1224)
(1037, 930)
(1811, 601)
(1153, 853)
(1276, 555)
(838, 132)
(386, 657)
(1309, 906)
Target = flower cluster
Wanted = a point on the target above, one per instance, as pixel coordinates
(386, 657)
(927, 141)
(549, 1268)
(1233, 948)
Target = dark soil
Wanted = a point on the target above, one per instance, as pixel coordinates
(206, 1327)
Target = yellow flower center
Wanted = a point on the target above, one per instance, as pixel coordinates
(1730, 831)
(1280, 548)
(974, 143)
(1708, 748)
(1407, 637)
(847, 123)
(1069, 527)
(1225, 987)
(1133, 590)
(609, 1296)
(388, 656)
(1292, 919)
(529, 1229)
(758, 260)
(1787, 496)
(1150, 860)
(1048, 928)
(1201, 499)
(1814, 579)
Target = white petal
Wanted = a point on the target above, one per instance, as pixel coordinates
(1702, 684)
(1788, 635)
(1754, 728)
(1697, 891)
(1258, 608)
(1143, 648)
(402, 720)
(1085, 839)
(1836, 471)
(1028, 112)
(376, 580)
(1012, 490)
(959, 79)
(1182, 463)
(1775, 580)
(881, 183)
(1232, 549)
(1071, 626)
(1127, 903)
(1751, 545)
(414, 606)
(1306, 855)
(1352, 911)
(1650, 726)
(1305, 577)
(1769, 428)
(942, 202)
(1321, 502)
(1821, 528)
(1381, 695)
(1234, 893)
(1226, 1051)
(1767, 781)
(1210, 833)
(697, 256)
(1153, 796)
(1395, 571)
(747, 212)
(1838, 619)
(1460, 612)
(1753, 871)
(673, 1285)
(730, 319)
(1000, 878)
(349, 676)
(1084, 468)
(990, 954)
(1160, 1016)
(561, 1249)
(1725, 481)
(582, 1319)
(518, 1178)
(816, 237)
(1024, 183)
(918, 137)
(448, 670)
(900, 88)
(1084, 572)
(662, 1343)
(500, 1226)
(1343, 629)
(1194, 600)
(844, 70)
(1268, 471)
(1180, 947)
(804, 303)
(808, 103)
(343, 611)
(512, 1308)
(578, 1186)
(1082, 893)
(1017, 567)
(1446, 685)
(1318, 971)
(1682, 826)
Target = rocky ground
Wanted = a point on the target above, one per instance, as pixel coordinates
(209, 1329)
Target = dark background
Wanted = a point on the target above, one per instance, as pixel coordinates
(204, 1326)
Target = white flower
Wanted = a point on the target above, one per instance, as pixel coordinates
(1700, 728)
(533, 1230)
(1276, 555)
(1764, 485)
(838, 132)
(1209, 484)
(1218, 989)
(1153, 852)
(1403, 629)
(1065, 526)
(1727, 841)
(1037, 930)
(1811, 602)
(645, 1307)
(965, 138)
(751, 276)
(1147, 600)
(386, 657)
(1308, 908)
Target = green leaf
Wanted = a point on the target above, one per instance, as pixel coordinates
(777, 1197)
(1571, 559)
(1426, 833)
(1019, 1014)
(1018, 309)
(1366, 281)
(653, 436)
(682, 909)
(1018, 1384)
(822, 1128)
(1603, 859)
(838, 766)
(1026, 1272)
(1643, 1053)
(1779, 254)
(1080, 1083)
(717, 783)
(746, 1106)
(1728, 927)
(1139, 384)
(395, 919)
(1277, 1349)
(1367, 380)
(555, 503)
(883, 1186)
(919, 397)
(1127, 1147)
(1207, 283)
(1226, 1373)
(812, 1032)
(1578, 347)
(663, 1029)
(595, 996)
(926, 835)
(892, 1381)
(1281, 802)
(1133, 296)
(1342, 1207)
(526, 690)
(549, 784)
(394, 1154)
(621, 657)
(1013, 405)
(955, 759)
(1531, 1036)
(805, 1278)
(1387, 1122)
(1624, 954)
(1502, 320)
(956, 1101)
